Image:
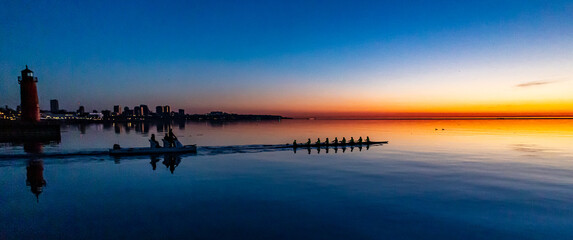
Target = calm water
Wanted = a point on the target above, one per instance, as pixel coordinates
(475, 179)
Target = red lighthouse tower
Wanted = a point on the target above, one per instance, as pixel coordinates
(29, 96)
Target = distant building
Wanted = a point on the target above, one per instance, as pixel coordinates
(144, 110)
(137, 111)
(166, 110)
(159, 110)
(181, 112)
(81, 110)
(106, 113)
(54, 106)
(126, 111)
(117, 109)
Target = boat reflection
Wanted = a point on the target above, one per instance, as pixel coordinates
(171, 161)
(335, 148)
(154, 160)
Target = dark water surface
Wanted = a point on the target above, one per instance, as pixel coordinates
(475, 179)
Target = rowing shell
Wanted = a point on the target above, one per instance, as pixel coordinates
(148, 151)
(355, 144)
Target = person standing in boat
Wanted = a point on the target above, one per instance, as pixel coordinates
(154, 143)
(174, 141)
(171, 135)
(167, 141)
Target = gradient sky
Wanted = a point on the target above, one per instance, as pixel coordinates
(295, 58)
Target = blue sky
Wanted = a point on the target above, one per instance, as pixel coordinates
(262, 56)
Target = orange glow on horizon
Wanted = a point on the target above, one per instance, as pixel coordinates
(358, 110)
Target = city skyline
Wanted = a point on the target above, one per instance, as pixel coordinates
(295, 59)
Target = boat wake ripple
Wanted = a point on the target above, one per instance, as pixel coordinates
(201, 151)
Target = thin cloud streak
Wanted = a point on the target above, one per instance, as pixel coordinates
(536, 83)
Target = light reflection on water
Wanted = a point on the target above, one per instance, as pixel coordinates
(476, 179)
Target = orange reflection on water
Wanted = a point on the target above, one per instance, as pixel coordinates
(527, 138)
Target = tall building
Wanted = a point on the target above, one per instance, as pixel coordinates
(81, 110)
(166, 110)
(54, 106)
(181, 112)
(117, 109)
(144, 110)
(159, 110)
(137, 111)
(29, 96)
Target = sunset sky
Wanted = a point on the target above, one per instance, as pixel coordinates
(295, 58)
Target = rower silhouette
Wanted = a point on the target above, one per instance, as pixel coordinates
(154, 143)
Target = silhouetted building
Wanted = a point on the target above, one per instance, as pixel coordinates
(137, 111)
(106, 113)
(81, 110)
(166, 110)
(181, 112)
(159, 110)
(144, 109)
(54, 106)
(117, 109)
(29, 96)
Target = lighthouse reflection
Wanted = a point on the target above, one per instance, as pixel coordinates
(35, 177)
(35, 169)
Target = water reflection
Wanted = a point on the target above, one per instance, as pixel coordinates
(154, 160)
(35, 177)
(171, 161)
(335, 148)
(181, 124)
(471, 178)
(82, 128)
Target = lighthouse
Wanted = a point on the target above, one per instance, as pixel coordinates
(29, 96)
